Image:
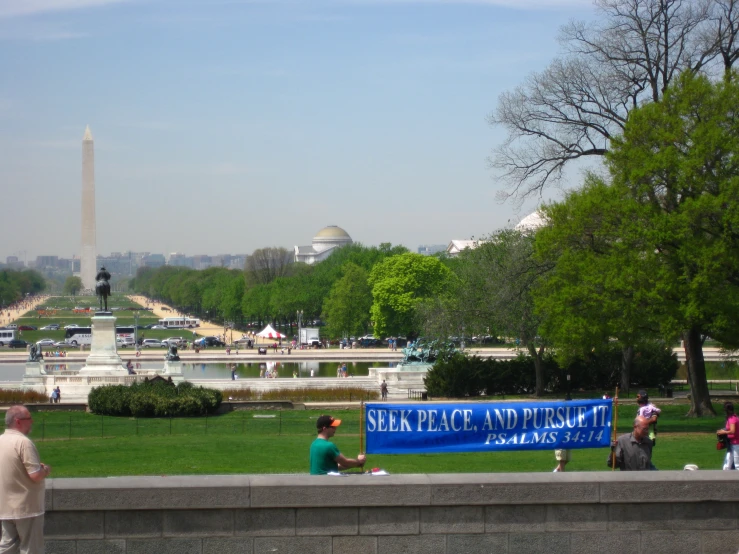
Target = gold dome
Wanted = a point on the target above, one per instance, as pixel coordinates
(332, 232)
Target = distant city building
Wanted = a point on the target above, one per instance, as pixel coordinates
(14, 263)
(47, 262)
(154, 260)
(202, 261)
(431, 249)
(325, 243)
(181, 260)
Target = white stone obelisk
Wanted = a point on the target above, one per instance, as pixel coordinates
(88, 257)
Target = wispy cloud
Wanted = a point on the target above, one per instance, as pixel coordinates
(17, 8)
(35, 32)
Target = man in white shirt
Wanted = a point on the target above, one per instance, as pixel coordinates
(22, 486)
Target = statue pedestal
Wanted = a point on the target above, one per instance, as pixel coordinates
(33, 378)
(173, 370)
(103, 358)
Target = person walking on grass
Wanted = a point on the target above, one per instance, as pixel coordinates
(324, 455)
(731, 432)
(22, 487)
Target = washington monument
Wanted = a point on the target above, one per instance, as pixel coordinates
(88, 258)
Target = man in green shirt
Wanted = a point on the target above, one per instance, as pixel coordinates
(324, 455)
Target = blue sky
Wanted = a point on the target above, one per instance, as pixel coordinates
(222, 126)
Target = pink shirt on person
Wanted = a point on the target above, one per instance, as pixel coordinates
(733, 439)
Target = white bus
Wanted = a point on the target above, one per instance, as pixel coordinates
(83, 335)
(6, 335)
(179, 322)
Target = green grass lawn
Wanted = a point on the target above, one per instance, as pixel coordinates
(239, 442)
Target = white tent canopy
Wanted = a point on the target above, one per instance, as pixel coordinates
(269, 333)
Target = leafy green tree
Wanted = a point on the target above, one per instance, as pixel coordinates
(399, 284)
(346, 309)
(500, 277)
(72, 285)
(600, 287)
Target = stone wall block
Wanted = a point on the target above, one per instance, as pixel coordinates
(355, 545)
(538, 543)
(515, 519)
(513, 488)
(586, 517)
(228, 546)
(419, 544)
(641, 516)
(141, 493)
(704, 515)
(671, 542)
(134, 523)
(198, 523)
(327, 521)
(164, 546)
(271, 522)
(389, 521)
(318, 491)
(60, 547)
(116, 546)
(670, 486)
(477, 544)
(74, 525)
(288, 545)
(48, 494)
(452, 519)
(604, 543)
(720, 542)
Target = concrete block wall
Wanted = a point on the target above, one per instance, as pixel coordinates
(651, 512)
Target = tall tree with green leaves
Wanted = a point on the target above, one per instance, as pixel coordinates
(346, 309)
(72, 285)
(399, 284)
(601, 288)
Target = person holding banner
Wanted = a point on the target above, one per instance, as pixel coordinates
(633, 452)
(324, 455)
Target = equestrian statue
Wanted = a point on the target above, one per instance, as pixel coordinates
(102, 287)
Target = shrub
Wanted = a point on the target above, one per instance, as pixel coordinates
(157, 399)
(19, 396)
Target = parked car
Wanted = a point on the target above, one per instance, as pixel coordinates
(45, 342)
(17, 343)
(157, 327)
(123, 342)
(12, 326)
(208, 341)
(60, 344)
(50, 327)
(177, 341)
(71, 326)
(27, 328)
(152, 343)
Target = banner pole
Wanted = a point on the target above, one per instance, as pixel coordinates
(361, 427)
(615, 429)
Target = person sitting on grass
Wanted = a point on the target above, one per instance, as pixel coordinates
(324, 455)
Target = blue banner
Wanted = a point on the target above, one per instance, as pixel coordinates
(486, 427)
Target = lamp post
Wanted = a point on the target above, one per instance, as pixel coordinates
(299, 313)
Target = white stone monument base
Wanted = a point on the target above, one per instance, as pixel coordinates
(173, 370)
(103, 358)
(33, 378)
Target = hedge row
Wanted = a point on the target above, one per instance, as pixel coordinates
(158, 399)
(457, 375)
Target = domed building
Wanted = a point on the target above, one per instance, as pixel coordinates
(325, 242)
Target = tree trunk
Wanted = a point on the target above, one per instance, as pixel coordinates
(538, 367)
(627, 362)
(700, 399)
